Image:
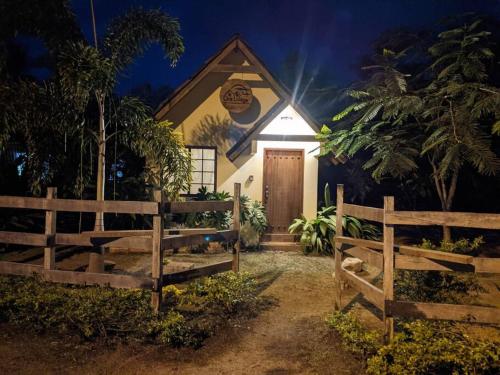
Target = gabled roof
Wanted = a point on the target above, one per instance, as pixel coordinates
(185, 87)
(256, 66)
(245, 141)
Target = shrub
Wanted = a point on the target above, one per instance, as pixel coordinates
(435, 348)
(171, 329)
(354, 337)
(88, 311)
(316, 235)
(436, 286)
(225, 293)
(210, 219)
(253, 222)
(97, 312)
(421, 347)
(252, 217)
(253, 214)
(462, 246)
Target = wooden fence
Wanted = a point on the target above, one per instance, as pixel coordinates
(386, 256)
(154, 240)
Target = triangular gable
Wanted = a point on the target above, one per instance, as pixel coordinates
(219, 63)
(258, 131)
(216, 64)
(281, 124)
(188, 85)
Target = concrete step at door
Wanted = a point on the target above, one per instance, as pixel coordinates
(281, 246)
(279, 237)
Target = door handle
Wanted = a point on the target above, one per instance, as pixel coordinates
(266, 193)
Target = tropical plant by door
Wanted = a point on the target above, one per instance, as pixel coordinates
(316, 235)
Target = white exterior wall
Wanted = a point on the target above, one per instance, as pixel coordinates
(288, 122)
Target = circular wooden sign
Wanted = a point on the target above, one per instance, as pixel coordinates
(236, 95)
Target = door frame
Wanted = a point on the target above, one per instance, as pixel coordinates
(264, 173)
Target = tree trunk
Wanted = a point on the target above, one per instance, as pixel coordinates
(101, 164)
(446, 233)
(96, 257)
(449, 202)
(446, 195)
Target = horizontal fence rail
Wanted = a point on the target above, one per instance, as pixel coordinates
(124, 207)
(77, 205)
(78, 278)
(198, 206)
(386, 256)
(370, 291)
(444, 311)
(362, 212)
(154, 240)
(182, 276)
(450, 219)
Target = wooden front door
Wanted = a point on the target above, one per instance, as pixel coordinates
(283, 187)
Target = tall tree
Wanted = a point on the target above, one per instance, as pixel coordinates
(380, 119)
(448, 122)
(46, 125)
(92, 70)
(457, 105)
(35, 117)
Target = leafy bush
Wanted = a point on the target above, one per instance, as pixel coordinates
(421, 347)
(252, 217)
(425, 347)
(253, 222)
(88, 311)
(462, 246)
(96, 312)
(226, 293)
(316, 235)
(253, 213)
(210, 219)
(436, 286)
(354, 337)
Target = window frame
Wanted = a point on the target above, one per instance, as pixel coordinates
(198, 147)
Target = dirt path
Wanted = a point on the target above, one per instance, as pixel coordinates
(289, 338)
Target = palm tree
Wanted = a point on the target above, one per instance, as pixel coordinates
(90, 72)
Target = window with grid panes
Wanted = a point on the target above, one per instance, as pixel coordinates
(204, 173)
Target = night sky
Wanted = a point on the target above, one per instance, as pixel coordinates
(330, 35)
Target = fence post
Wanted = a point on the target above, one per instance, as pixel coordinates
(388, 271)
(157, 253)
(236, 226)
(338, 253)
(96, 255)
(96, 259)
(49, 252)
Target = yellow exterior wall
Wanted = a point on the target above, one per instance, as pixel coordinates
(190, 127)
(192, 112)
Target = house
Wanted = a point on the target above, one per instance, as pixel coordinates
(241, 125)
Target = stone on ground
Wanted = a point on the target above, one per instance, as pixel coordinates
(353, 264)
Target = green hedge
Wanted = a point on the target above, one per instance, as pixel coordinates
(421, 347)
(188, 316)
